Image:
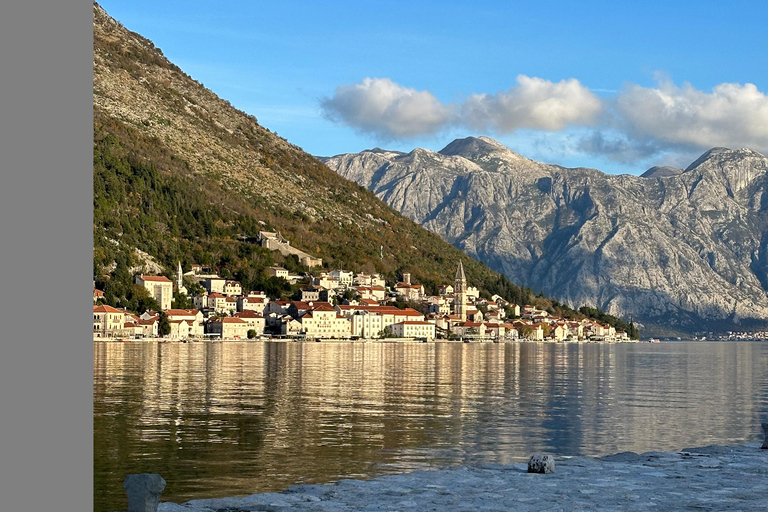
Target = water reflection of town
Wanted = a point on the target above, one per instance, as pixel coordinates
(236, 418)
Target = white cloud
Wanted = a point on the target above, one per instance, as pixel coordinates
(634, 125)
(732, 115)
(533, 103)
(387, 109)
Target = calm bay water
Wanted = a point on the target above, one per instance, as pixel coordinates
(227, 419)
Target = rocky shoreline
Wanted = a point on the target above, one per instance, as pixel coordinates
(711, 478)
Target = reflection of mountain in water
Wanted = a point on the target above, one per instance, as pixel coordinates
(228, 419)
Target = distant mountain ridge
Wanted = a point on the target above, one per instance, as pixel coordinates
(681, 249)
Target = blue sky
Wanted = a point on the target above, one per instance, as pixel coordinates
(597, 84)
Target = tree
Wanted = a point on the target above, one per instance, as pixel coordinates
(164, 327)
(251, 334)
(386, 333)
(193, 287)
(181, 301)
(633, 333)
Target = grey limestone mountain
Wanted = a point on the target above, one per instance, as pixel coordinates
(684, 249)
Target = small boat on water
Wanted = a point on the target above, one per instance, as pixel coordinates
(654, 340)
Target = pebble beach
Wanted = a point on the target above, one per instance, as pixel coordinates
(710, 478)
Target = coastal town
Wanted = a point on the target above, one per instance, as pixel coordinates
(335, 305)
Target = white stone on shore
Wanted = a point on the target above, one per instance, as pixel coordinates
(709, 478)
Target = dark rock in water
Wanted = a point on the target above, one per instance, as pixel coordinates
(622, 457)
(712, 449)
(540, 463)
(765, 442)
(143, 491)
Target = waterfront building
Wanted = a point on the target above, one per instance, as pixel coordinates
(159, 287)
(255, 320)
(193, 319)
(228, 328)
(414, 329)
(108, 322)
(323, 321)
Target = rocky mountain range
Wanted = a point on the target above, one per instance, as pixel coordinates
(680, 250)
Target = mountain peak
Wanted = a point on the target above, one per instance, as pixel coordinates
(706, 156)
(661, 171)
(471, 147)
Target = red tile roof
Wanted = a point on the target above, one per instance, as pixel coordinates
(323, 306)
(248, 314)
(181, 312)
(229, 320)
(159, 279)
(105, 309)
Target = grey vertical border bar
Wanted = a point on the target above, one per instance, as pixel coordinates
(46, 212)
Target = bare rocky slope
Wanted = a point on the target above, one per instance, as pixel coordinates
(676, 249)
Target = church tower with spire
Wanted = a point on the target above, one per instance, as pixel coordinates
(180, 280)
(460, 294)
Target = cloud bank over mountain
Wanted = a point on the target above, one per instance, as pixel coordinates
(635, 123)
(387, 109)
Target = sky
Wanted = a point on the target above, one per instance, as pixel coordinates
(611, 85)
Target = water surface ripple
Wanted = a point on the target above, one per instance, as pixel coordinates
(226, 419)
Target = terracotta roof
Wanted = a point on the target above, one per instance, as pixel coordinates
(98, 292)
(149, 322)
(248, 314)
(229, 320)
(159, 279)
(414, 322)
(181, 312)
(323, 306)
(217, 295)
(105, 309)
